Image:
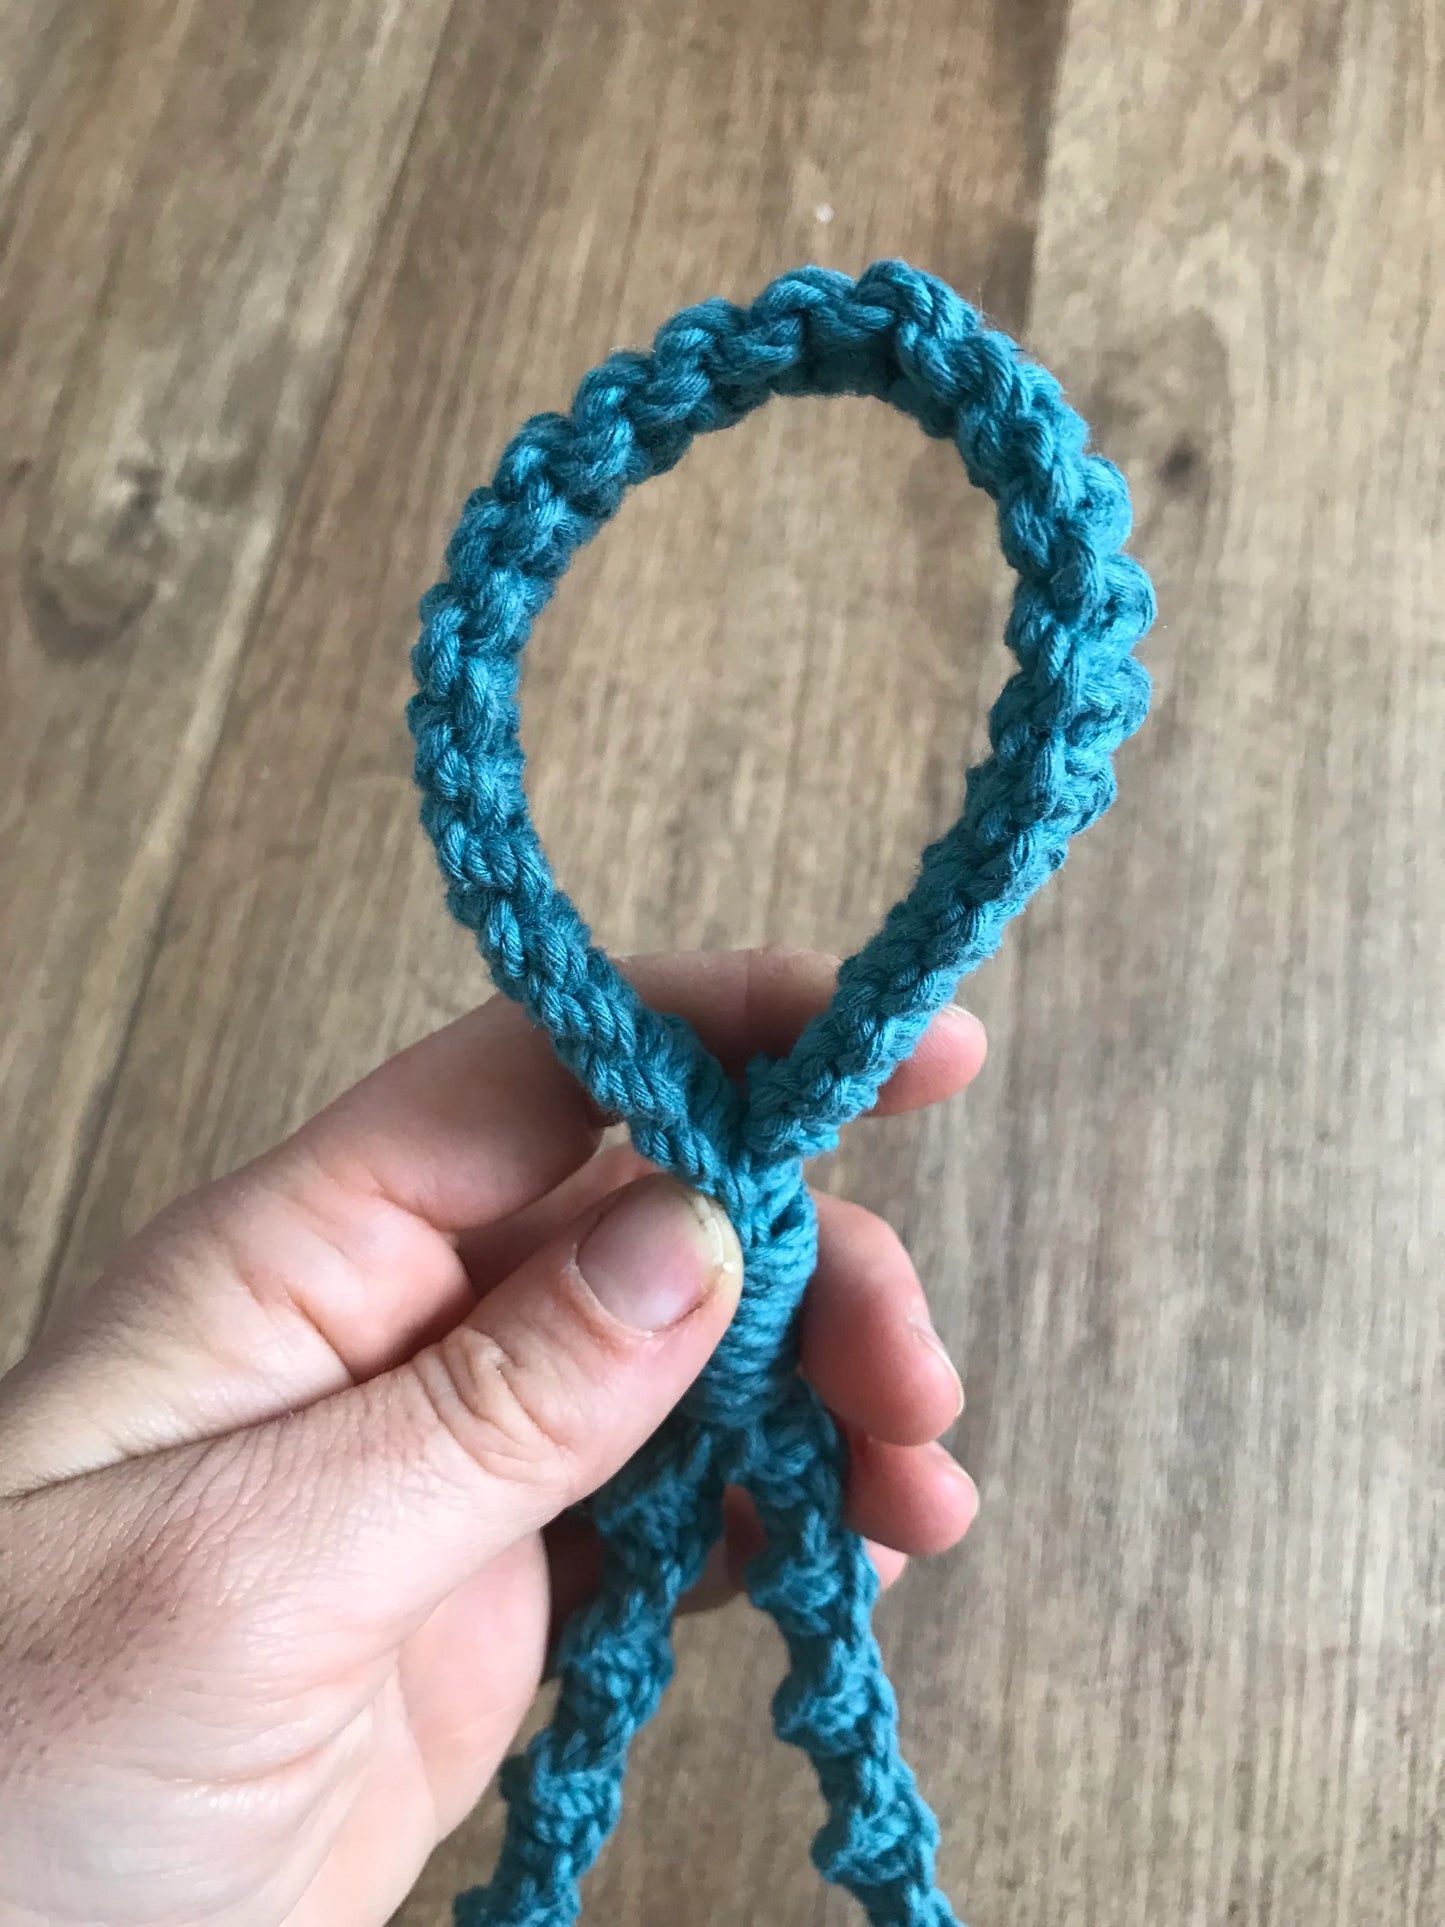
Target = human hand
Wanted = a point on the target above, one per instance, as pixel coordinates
(281, 1540)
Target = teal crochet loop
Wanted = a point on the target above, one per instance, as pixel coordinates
(1078, 610)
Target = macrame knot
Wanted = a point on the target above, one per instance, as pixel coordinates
(777, 1227)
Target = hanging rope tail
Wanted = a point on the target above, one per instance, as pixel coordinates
(1079, 608)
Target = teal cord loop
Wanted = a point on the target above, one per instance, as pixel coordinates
(1079, 608)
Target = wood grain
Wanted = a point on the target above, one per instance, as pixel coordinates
(1186, 1236)
(186, 214)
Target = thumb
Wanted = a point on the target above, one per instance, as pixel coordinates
(420, 1477)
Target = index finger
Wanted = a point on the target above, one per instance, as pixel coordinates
(479, 1119)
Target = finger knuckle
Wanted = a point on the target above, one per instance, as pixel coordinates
(850, 1233)
(486, 1400)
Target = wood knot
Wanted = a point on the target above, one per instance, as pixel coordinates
(88, 578)
(1180, 465)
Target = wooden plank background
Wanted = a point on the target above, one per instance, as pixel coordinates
(275, 282)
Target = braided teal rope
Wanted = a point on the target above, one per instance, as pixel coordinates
(1079, 608)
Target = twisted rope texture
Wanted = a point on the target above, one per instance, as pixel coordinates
(1079, 608)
